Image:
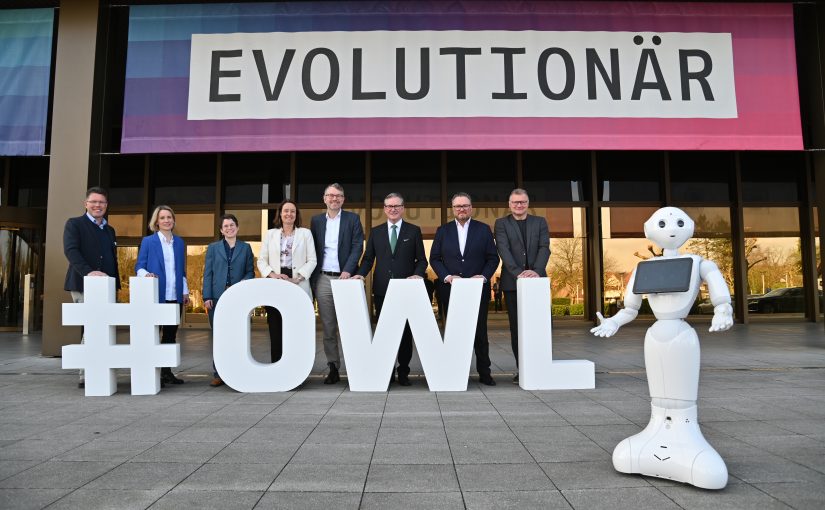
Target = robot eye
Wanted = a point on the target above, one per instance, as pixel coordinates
(680, 223)
(661, 223)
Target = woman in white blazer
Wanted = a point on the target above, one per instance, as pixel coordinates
(287, 253)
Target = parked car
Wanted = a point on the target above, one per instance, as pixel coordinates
(788, 300)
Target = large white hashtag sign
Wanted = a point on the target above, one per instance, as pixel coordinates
(100, 355)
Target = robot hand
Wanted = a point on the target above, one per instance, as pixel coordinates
(606, 328)
(722, 317)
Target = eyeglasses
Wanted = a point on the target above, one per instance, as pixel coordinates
(96, 202)
(519, 202)
(334, 195)
(462, 206)
(394, 207)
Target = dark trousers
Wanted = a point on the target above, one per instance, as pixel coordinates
(406, 348)
(276, 326)
(168, 335)
(482, 343)
(511, 298)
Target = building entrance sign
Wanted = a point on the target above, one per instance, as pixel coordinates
(369, 356)
(460, 75)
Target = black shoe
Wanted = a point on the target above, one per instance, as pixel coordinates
(404, 380)
(81, 384)
(515, 379)
(487, 380)
(174, 380)
(333, 376)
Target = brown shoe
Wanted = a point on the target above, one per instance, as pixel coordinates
(216, 382)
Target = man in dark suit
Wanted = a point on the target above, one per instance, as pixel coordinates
(339, 240)
(523, 242)
(90, 245)
(397, 250)
(465, 249)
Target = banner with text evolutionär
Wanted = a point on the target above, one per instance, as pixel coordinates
(460, 75)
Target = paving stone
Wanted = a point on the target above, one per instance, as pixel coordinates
(29, 499)
(57, 475)
(321, 478)
(107, 499)
(411, 478)
(589, 475)
(208, 500)
(112, 451)
(489, 453)
(144, 475)
(333, 454)
(771, 469)
(568, 452)
(619, 498)
(12, 467)
(797, 495)
(412, 453)
(37, 449)
(232, 477)
(268, 452)
(412, 434)
(180, 452)
(309, 501)
(515, 500)
(503, 477)
(419, 500)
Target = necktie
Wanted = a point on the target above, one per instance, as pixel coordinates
(393, 237)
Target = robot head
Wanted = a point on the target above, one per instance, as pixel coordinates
(669, 227)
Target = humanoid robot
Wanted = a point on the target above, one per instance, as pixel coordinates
(672, 446)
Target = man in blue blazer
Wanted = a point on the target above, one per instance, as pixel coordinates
(90, 245)
(339, 241)
(465, 249)
(396, 248)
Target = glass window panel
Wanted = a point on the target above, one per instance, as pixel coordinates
(711, 240)
(183, 178)
(195, 224)
(251, 178)
(195, 263)
(771, 176)
(414, 174)
(487, 215)
(774, 257)
(629, 176)
(566, 264)
(29, 181)
(699, 176)
(488, 176)
(126, 179)
(127, 225)
(126, 261)
(252, 223)
(316, 170)
(557, 176)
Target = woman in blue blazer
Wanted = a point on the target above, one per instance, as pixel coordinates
(228, 262)
(162, 255)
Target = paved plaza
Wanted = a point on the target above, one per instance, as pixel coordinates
(762, 405)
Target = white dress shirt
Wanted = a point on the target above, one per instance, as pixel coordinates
(462, 234)
(331, 263)
(169, 268)
(397, 230)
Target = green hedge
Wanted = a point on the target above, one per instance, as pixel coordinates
(577, 309)
(561, 301)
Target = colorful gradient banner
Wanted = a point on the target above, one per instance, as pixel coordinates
(25, 70)
(753, 106)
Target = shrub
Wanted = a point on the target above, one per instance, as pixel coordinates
(559, 310)
(561, 301)
(577, 309)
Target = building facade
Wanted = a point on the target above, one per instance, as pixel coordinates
(119, 109)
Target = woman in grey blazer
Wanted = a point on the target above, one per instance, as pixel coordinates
(228, 262)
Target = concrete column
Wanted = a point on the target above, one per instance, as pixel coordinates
(69, 166)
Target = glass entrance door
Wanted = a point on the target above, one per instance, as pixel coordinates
(21, 250)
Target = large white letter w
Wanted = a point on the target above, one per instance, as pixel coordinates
(370, 358)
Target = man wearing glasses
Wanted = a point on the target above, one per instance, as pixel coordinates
(90, 245)
(465, 249)
(339, 239)
(396, 248)
(523, 242)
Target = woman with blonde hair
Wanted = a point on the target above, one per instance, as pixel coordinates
(287, 253)
(162, 255)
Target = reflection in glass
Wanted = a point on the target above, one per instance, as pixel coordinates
(774, 257)
(195, 262)
(127, 225)
(195, 224)
(126, 261)
(19, 256)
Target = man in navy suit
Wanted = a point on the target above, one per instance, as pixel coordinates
(396, 248)
(90, 244)
(523, 241)
(339, 240)
(465, 249)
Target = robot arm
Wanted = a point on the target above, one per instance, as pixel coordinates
(719, 296)
(632, 303)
